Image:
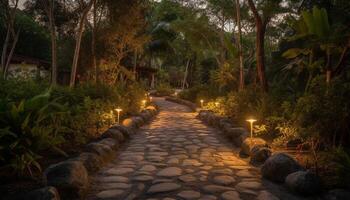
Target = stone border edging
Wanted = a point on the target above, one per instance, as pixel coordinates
(189, 104)
(70, 179)
(279, 167)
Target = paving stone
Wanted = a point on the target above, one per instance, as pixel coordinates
(121, 179)
(163, 187)
(110, 194)
(119, 171)
(224, 180)
(143, 178)
(191, 162)
(249, 185)
(170, 172)
(187, 178)
(216, 188)
(208, 197)
(265, 195)
(189, 194)
(230, 195)
(148, 168)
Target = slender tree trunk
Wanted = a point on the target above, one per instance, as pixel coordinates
(260, 55)
(241, 66)
(93, 43)
(78, 43)
(50, 13)
(260, 46)
(185, 76)
(4, 50)
(9, 57)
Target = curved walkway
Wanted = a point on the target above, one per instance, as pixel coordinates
(178, 157)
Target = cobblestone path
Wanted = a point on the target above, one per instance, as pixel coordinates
(178, 157)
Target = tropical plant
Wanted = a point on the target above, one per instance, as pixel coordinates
(26, 128)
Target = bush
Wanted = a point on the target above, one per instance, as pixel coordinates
(32, 123)
(26, 128)
(205, 92)
(164, 89)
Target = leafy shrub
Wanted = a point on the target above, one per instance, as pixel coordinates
(205, 92)
(26, 128)
(31, 123)
(164, 89)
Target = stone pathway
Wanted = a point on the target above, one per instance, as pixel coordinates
(178, 157)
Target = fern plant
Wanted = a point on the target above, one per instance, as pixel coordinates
(26, 128)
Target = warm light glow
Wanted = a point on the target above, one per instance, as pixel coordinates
(175, 93)
(150, 98)
(251, 121)
(217, 104)
(118, 116)
(202, 101)
(144, 102)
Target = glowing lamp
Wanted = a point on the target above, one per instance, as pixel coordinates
(251, 121)
(143, 103)
(118, 114)
(202, 101)
(217, 104)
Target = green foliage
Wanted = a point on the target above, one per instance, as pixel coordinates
(26, 128)
(32, 122)
(205, 92)
(164, 89)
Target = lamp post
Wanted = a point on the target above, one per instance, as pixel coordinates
(251, 121)
(112, 116)
(143, 104)
(202, 101)
(118, 114)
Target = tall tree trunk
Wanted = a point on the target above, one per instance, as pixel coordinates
(240, 49)
(93, 43)
(4, 51)
(50, 12)
(260, 46)
(78, 43)
(9, 57)
(185, 75)
(260, 55)
(10, 20)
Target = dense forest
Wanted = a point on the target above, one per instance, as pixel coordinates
(283, 62)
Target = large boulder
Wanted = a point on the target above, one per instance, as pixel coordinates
(91, 161)
(203, 114)
(238, 141)
(46, 193)
(115, 134)
(130, 123)
(138, 121)
(259, 155)
(224, 122)
(337, 194)
(70, 178)
(102, 150)
(152, 109)
(279, 166)
(234, 133)
(126, 131)
(146, 115)
(303, 183)
(112, 143)
(250, 143)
